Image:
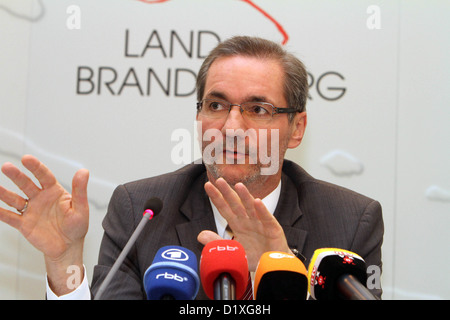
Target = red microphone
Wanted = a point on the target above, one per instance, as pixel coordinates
(224, 270)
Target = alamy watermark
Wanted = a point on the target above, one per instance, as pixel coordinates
(73, 21)
(74, 280)
(373, 277)
(373, 21)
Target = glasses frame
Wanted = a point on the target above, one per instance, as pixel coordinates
(275, 110)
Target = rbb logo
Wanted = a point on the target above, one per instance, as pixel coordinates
(169, 276)
(224, 248)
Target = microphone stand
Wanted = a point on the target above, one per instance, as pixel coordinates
(123, 254)
(351, 289)
(224, 287)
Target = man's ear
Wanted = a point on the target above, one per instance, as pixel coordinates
(298, 129)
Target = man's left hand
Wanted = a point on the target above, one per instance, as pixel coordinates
(252, 224)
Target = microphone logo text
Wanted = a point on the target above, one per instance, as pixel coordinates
(175, 255)
(170, 276)
(279, 255)
(223, 248)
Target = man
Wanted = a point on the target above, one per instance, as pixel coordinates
(252, 97)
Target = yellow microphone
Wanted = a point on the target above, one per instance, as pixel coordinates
(337, 274)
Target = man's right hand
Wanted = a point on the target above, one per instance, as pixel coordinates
(55, 221)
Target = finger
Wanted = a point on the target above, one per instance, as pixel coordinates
(11, 218)
(20, 179)
(218, 200)
(263, 214)
(247, 199)
(207, 236)
(272, 228)
(79, 191)
(39, 170)
(12, 199)
(231, 197)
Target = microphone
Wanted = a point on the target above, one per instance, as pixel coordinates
(173, 275)
(337, 274)
(224, 270)
(151, 208)
(280, 276)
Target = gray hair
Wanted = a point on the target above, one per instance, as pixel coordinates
(296, 78)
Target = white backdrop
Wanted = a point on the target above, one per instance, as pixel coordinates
(103, 84)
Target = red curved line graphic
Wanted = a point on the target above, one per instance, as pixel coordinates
(275, 22)
(253, 5)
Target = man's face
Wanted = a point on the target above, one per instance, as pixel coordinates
(242, 79)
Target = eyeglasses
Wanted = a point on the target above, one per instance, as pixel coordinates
(258, 111)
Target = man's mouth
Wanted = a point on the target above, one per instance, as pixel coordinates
(233, 154)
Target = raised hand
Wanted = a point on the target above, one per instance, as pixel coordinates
(52, 220)
(252, 224)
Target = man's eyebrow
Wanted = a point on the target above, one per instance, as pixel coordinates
(256, 99)
(217, 94)
(220, 95)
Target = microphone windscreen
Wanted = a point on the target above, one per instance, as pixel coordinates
(280, 276)
(224, 256)
(327, 266)
(153, 204)
(173, 273)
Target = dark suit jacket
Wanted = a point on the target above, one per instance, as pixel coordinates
(314, 214)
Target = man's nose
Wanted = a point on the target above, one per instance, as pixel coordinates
(235, 119)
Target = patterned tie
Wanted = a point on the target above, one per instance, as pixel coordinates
(248, 295)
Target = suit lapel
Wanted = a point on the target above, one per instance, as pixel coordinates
(288, 214)
(197, 209)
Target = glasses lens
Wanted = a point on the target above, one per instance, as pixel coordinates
(214, 108)
(257, 110)
(218, 109)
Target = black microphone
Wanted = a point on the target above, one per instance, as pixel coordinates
(152, 207)
(337, 274)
